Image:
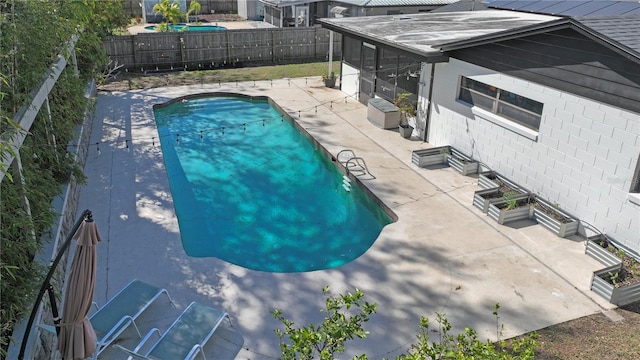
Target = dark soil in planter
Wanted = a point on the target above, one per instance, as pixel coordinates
(628, 275)
(462, 160)
(552, 213)
(630, 272)
(500, 192)
(519, 203)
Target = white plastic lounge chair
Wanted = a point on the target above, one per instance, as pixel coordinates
(122, 310)
(185, 338)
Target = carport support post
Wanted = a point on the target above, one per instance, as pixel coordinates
(427, 121)
(330, 53)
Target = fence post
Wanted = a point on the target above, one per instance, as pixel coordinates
(273, 46)
(134, 43)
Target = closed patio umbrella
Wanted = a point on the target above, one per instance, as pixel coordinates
(77, 339)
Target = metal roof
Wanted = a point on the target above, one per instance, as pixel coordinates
(463, 5)
(624, 30)
(619, 33)
(285, 3)
(570, 7)
(424, 33)
(362, 3)
(384, 3)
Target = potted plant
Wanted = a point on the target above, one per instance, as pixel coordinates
(552, 218)
(511, 208)
(432, 156)
(407, 110)
(329, 79)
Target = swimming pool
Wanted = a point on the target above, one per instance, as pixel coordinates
(189, 27)
(250, 188)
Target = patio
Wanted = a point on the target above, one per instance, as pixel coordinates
(442, 256)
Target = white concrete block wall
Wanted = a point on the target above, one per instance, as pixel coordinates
(583, 159)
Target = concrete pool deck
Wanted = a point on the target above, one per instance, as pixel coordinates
(441, 256)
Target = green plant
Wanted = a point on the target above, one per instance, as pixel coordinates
(46, 163)
(509, 198)
(345, 315)
(170, 11)
(614, 277)
(467, 345)
(194, 7)
(329, 76)
(635, 268)
(404, 104)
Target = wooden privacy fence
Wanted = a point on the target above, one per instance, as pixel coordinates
(193, 50)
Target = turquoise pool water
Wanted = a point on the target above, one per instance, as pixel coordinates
(251, 189)
(189, 27)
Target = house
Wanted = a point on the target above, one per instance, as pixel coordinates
(549, 99)
(251, 9)
(284, 13)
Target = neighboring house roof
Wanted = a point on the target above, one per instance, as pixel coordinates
(424, 33)
(570, 7)
(625, 30)
(463, 5)
(285, 3)
(362, 3)
(385, 3)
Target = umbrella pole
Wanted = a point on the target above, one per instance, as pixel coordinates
(85, 214)
(54, 308)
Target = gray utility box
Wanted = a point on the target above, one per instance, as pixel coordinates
(383, 114)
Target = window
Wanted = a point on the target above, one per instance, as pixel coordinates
(635, 181)
(509, 105)
(634, 192)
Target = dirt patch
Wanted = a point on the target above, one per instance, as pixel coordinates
(594, 337)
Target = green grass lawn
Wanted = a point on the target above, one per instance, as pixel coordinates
(129, 81)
